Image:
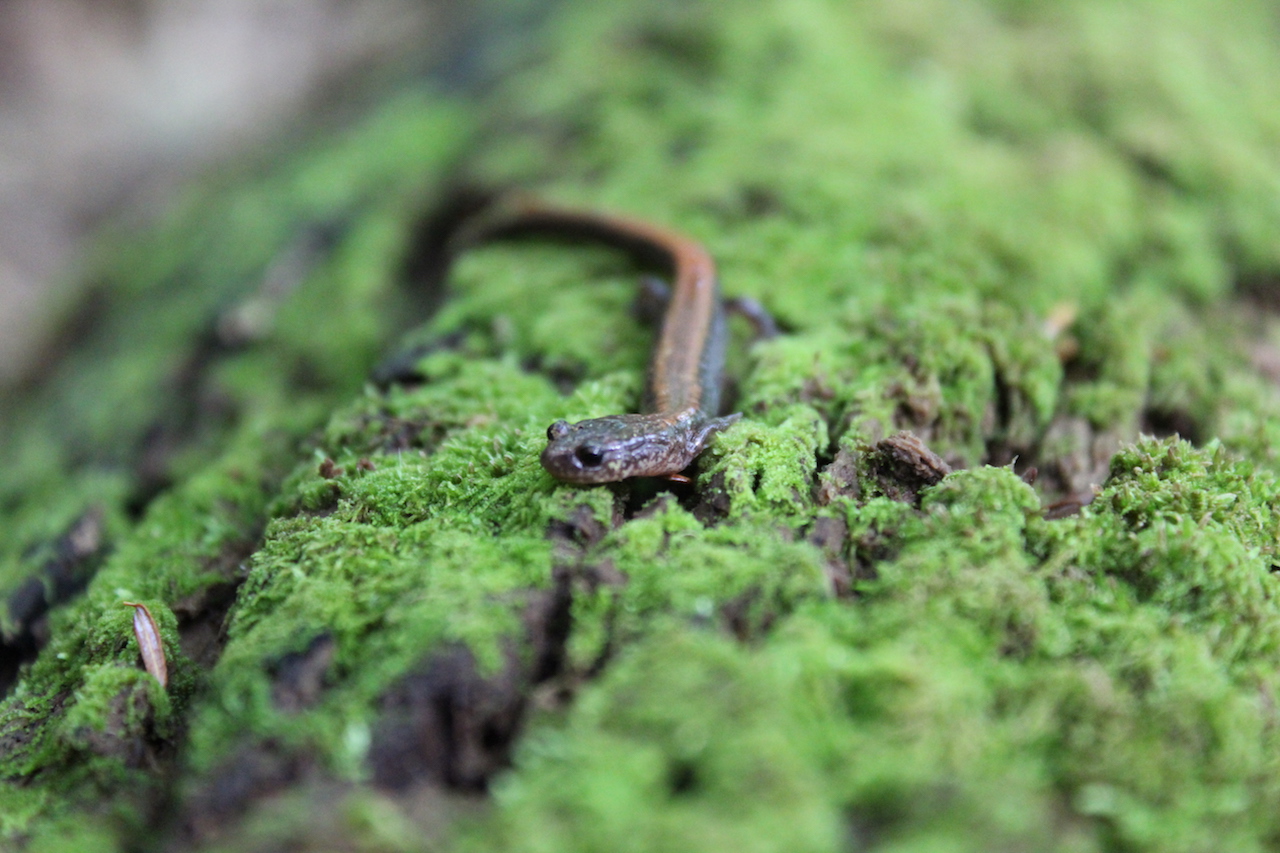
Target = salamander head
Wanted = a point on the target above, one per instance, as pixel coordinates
(605, 450)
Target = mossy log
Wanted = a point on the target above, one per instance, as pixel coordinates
(989, 563)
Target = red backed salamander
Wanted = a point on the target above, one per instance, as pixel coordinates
(683, 390)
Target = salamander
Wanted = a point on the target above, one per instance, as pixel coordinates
(682, 396)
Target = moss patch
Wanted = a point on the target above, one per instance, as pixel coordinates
(1013, 229)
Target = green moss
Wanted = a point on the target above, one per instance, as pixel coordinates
(686, 731)
(117, 702)
(921, 192)
(147, 371)
(23, 808)
(74, 833)
(959, 704)
(769, 467)
(234, 418)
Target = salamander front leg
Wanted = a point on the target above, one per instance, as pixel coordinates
(698, 440)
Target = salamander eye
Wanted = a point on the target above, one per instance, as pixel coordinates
(557, 430)
(589, 456)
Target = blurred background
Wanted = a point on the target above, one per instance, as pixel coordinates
(106, 106)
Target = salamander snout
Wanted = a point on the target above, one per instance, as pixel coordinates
(581, 455)
(572, 453)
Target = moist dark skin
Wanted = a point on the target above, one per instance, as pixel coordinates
(612, 448)
(685, 372)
